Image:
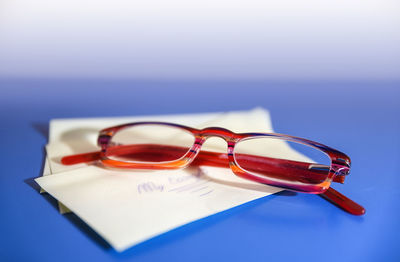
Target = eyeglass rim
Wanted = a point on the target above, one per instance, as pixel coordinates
(340, 162)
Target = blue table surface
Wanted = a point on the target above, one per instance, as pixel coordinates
(360, 118)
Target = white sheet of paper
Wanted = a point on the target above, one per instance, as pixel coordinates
(75, 136)
(128, 207)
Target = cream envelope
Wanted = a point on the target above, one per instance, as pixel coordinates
(128, 207)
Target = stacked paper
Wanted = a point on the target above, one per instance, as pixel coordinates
(128, 207)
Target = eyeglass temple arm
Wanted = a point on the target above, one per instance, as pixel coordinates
(221, 160)
(216, 159)
(343, 202)
(81, 158)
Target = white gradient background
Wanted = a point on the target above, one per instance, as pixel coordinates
(217, 39)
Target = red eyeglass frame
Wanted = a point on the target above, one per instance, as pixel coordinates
(339, 168)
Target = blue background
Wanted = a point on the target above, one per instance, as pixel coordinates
(360, 118)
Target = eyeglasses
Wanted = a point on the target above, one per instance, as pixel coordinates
(266, 158)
